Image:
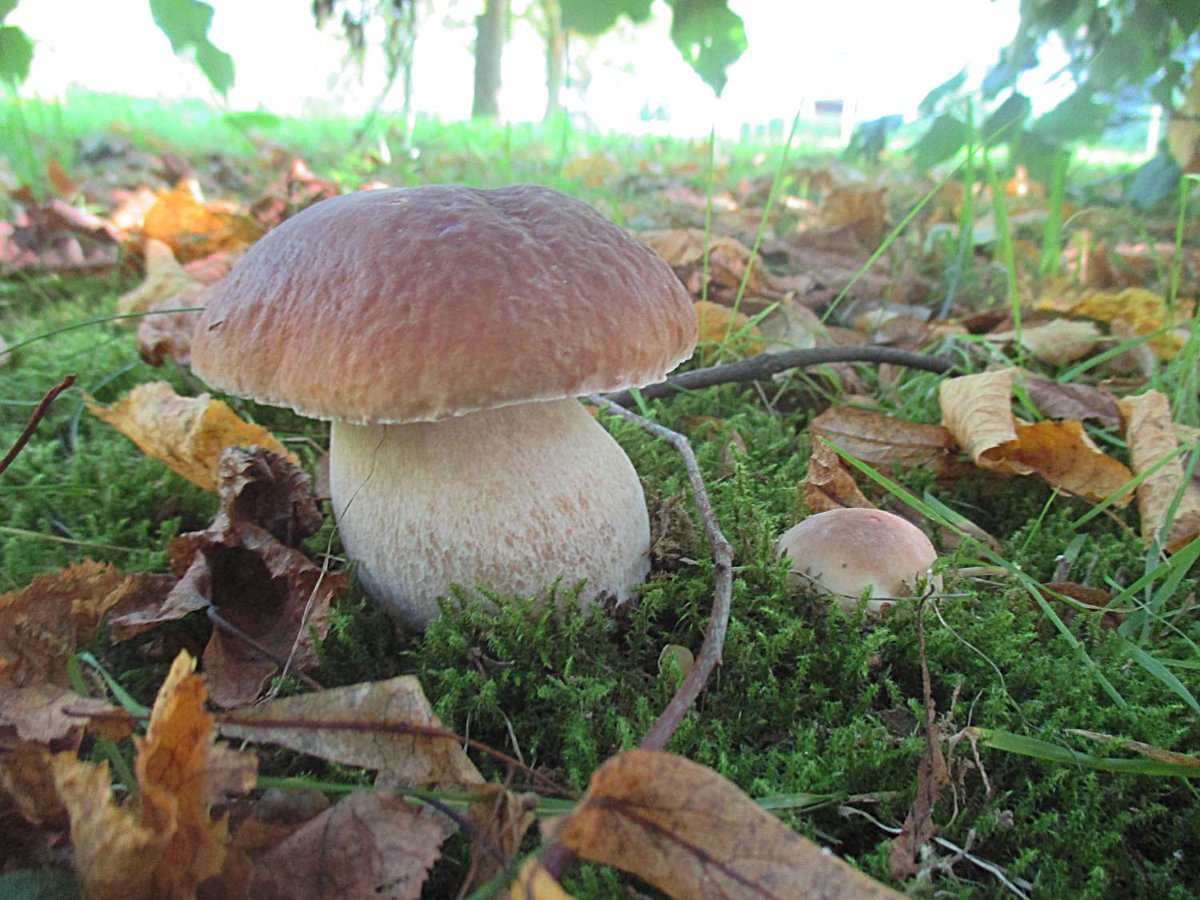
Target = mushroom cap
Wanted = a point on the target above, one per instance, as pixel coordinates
(413, 304)
(846, 551)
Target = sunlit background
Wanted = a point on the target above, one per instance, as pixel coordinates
(876, 56)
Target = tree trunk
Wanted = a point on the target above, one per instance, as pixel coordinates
(489, 42)
(556, 56)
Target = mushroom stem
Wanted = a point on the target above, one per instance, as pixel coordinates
(513, 499)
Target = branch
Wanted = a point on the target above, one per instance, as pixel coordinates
(764, 365)
(557, 859)
(38, 414)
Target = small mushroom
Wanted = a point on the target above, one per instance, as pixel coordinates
(846, 552)
(446, 332)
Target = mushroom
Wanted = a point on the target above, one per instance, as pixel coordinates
(446, 332)
(846, 552)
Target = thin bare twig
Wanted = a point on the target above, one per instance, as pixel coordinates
(557, 859)
(764, 365)
(38, 414)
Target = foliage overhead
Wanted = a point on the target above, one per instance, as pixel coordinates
(707, 32)
(16, 49)
(186, 23)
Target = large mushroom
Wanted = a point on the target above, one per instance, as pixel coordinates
(851, 552)
(446, 332)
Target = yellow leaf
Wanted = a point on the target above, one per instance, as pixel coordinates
(977, 410)
(192, 228)
(535, 883)
(689, 832)
(186, 433)
(727, 329)
(1141, 310)
(165, 279)
(1150, 434)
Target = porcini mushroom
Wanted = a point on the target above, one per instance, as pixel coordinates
(446, 332)
(846, 552)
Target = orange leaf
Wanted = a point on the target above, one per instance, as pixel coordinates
(186, 433)
(828, 483)
(534, 883)
(691, 833)
(1150, 434)
(192, 228)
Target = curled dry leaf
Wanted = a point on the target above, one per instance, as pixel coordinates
(387, 726)
(165, 280)
(1141, 310)
(828, 483)
(1150, 435)
(186, 433)
(689, 832)
(1056, 343)
(166, 844)
(1072, 400)
(370, 845)
(41, 627)
(977, 410)
(245, 567)
(166, 333)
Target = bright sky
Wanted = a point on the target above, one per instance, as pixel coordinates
(882, 53)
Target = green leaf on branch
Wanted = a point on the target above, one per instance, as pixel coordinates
(186, 24)
(1077, 118)
(710, 36)
(945, 137)
(592, 17)
(16, 54)
(1005, 123)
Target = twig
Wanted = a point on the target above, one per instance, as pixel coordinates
(764, 365)
(38, 414)
(557, 859)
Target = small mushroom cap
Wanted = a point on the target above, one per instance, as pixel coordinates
(414, 304)
(846, 551)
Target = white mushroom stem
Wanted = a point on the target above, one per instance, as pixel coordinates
(512, 499)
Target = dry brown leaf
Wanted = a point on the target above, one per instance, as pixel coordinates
(828, 483)
(41, 627)
(691, 833)
(727, 329)
(533, 882)
(192, 228)
(886, 442)
(1150, 435)
(370, 845)
(387, 726)
(165, 280)
(247, 570)
(501, 818)
(186, 433)
(1071, 400)
(166, 333)
(1055, 343)
(863, 212)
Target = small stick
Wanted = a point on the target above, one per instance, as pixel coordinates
(38, 414)
(557, 859)
(764, 365)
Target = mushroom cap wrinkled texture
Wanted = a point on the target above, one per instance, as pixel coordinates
(414, 304)
(845, 551)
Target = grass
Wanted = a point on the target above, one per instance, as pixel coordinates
(810, 701)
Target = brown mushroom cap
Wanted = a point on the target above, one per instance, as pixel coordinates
(846, 551)
(413, 304)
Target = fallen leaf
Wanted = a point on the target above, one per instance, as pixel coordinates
(386, 726)
(192, 228)
(1071, 400)
(166, 332)
(165, 279)
(886, 442)
(367, 846)
(828, 483)
(1091, 598)
(41, 628)
(533, 882)
(246, 569)
(977, 410)
(862, 211)
(1143, 310)
(500, 818)
(186, 433)
(1150, 435)
(691, 833)
(725, 331)
(167, 843)
(1055, 343)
